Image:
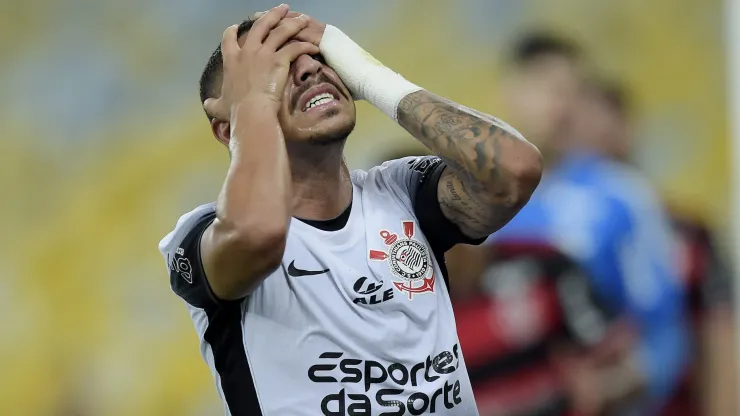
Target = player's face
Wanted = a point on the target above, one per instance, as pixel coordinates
(316, 107)
(540, 97)
(600, 127)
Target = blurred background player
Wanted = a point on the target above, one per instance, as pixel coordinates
(604, 125)
(527, 314)
(607, 218)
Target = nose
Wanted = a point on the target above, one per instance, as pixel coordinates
(306, 67)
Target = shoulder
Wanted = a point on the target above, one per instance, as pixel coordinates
(619, 188)
(408, 168)
(635, 208)
(181, 250)
(631, 193)
(399, 176)
(185, 224)
(626, 182)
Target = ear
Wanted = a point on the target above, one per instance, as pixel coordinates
(221, 131)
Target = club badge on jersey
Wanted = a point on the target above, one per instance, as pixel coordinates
(408, 259)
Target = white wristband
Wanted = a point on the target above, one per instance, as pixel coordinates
(366, 78)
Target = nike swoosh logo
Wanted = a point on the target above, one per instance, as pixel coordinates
(296, 272)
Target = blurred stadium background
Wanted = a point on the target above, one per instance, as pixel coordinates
(104, 146)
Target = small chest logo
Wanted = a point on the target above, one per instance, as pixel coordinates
(369, 293)
(408, 259)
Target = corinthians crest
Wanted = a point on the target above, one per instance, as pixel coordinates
(408, 259)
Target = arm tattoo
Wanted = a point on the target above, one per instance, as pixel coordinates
(480, 192)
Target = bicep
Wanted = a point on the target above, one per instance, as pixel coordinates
(208, 268)
(234, 262)
(475, 214)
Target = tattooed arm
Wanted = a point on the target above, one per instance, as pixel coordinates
(492, 171)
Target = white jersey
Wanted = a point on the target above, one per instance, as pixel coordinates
(356, 321)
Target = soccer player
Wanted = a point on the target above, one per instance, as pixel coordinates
(316, 290)
(606, 216)
(707, 388)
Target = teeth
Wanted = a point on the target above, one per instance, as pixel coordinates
(318, 100)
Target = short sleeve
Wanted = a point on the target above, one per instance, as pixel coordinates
(418, 178)
(181, 249)
(423, 179)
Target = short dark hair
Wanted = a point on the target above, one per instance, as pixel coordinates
(538, 44)
(209, 80)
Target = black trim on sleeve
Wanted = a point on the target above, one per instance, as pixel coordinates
(441, 233)
(187, 276)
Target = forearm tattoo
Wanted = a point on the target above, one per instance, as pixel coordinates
(478, 193)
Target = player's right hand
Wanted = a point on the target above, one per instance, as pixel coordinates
(256, 72)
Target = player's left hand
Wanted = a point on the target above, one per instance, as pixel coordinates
(311, 33)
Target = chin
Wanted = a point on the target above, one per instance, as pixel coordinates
(333, 130)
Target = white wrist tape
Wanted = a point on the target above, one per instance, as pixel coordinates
(366, 78)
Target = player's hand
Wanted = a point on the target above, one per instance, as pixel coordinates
(312, 33)
(257, 71)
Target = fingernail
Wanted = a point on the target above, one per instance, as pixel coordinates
(283, 5)
(258, 14)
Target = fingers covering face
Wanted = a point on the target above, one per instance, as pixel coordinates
(264, 25)
(292, 51)
(286, 30)
(229, 45)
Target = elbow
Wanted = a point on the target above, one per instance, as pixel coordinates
(525, 171)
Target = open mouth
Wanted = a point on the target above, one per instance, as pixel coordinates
(318, 100)
(320, 96)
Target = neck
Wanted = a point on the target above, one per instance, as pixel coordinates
(322, 188)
